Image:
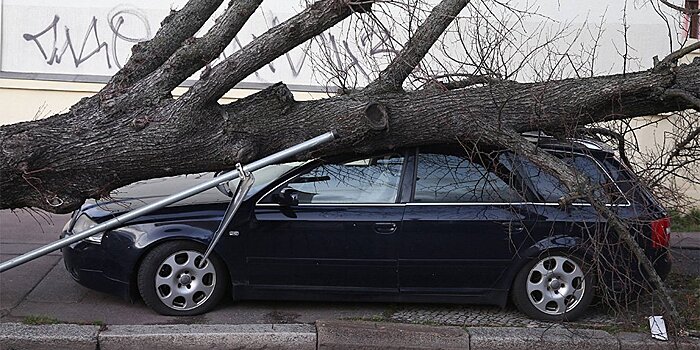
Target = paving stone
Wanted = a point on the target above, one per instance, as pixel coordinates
(476, 315)
(334, 335)
(58, 287)
(16, 283)
(553, 338)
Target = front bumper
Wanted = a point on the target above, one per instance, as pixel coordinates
(85, 262)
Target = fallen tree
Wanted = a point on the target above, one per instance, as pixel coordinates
(133, 129)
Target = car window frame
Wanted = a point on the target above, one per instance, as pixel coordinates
(320, 161)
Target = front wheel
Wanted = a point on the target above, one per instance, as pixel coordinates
(172, 281)
(553, 287)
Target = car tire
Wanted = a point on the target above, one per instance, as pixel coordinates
(556, 286)
(171, 282)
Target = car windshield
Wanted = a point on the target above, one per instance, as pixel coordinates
(144, 192)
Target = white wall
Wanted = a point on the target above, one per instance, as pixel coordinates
(85, 40)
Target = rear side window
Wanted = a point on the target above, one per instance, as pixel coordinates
(551, 189)
(451, 178)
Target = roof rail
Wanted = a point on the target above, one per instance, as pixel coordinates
(537, 136)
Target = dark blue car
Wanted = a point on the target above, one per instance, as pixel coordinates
(428, 224)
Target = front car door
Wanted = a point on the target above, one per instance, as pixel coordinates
(341, 234)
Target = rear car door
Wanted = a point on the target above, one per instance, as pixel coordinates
(341, 235)
(463, 225)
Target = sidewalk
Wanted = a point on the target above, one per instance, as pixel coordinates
(323, 335)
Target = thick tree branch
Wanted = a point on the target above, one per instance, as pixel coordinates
(149, 55)
(267, 47)
(393, 76)
(197, 52)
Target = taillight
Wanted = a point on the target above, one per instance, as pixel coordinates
(660, 233)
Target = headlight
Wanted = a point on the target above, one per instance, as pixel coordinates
(82, 223)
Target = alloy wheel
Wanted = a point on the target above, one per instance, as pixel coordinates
(555, 285)
(180, 282)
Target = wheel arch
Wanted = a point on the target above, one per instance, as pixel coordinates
(133, 282)
(560, 243)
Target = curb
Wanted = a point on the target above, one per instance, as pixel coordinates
(176, 337)
(54, 336)
(323, 335)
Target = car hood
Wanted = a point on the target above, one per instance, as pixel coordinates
(146, 192)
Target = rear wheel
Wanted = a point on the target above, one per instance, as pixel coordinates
(172, 281)
(553, 287)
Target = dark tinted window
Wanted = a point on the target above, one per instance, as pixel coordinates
(451, 178)
(371, 180)
(551, 189)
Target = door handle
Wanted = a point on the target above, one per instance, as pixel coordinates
(385, 228)
(513, 227)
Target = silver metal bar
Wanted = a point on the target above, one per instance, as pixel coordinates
(247, 181)
(120, 220)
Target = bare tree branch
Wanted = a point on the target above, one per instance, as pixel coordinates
(617, 136)
(694, 100)
(677, 149)
(465, 80)
(687, 11)
(579, 186)
(393, 76)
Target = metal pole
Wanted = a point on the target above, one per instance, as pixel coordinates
(120, 220)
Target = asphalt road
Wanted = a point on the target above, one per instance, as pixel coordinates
(43, 287)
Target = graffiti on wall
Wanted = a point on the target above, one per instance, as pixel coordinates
(99, 44)
(79, 47)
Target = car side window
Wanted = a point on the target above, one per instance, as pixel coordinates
(369, 180)
(452, 178)
(551, 189)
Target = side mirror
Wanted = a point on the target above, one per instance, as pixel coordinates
(287, 197)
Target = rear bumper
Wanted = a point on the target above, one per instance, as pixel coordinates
(662, 263)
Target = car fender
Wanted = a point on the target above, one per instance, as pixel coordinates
(124, 247)
(558, 242)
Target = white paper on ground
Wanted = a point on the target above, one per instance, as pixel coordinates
(658, 327)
